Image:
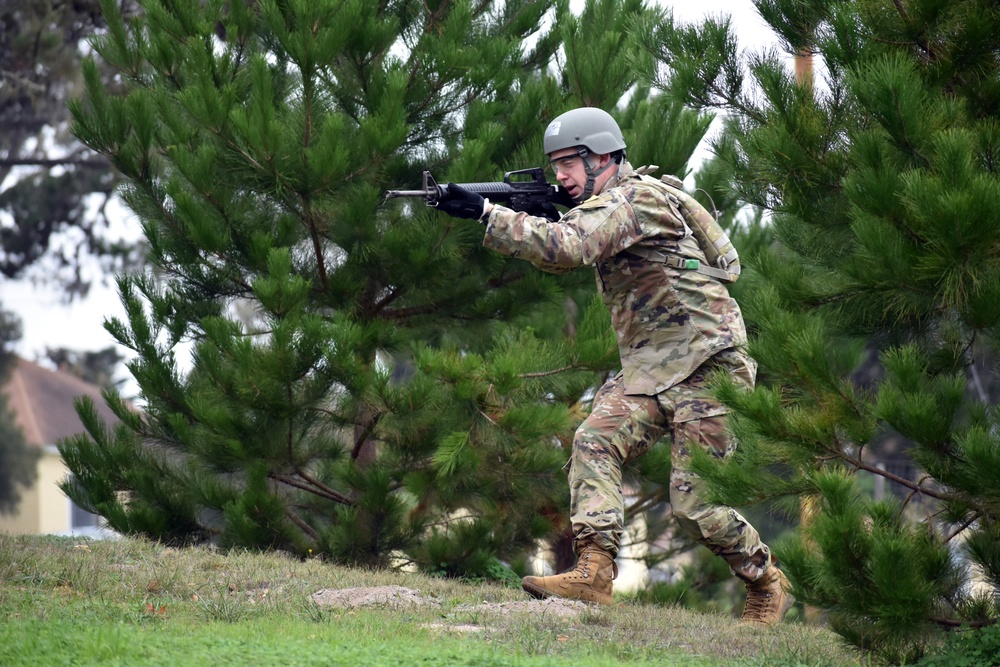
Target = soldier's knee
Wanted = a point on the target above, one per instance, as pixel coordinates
(591, 457)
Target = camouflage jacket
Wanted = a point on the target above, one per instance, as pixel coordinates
(668, 321)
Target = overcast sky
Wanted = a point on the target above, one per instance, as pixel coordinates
(49, 323)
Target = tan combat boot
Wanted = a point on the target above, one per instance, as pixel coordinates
(768, 598)
(590, 581)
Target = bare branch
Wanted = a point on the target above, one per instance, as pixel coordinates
(298, 521)
(952, 623)
(895, 478)
(316, 489)
(93, 163)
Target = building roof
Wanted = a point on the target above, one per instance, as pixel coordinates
(42, 402)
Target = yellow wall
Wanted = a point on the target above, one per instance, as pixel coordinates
(44, 508)
(54, 514)
(25, 518)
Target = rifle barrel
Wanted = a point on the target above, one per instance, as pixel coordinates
(496, 189)
(405, 193)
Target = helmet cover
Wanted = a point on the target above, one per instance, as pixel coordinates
(587, 126)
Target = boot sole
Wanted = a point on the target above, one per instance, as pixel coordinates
(540, 593)
(537, 592)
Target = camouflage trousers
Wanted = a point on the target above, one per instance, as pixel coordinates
(622, 427)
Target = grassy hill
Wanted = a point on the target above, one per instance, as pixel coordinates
(133, 602)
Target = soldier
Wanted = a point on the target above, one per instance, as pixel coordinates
(674, 326)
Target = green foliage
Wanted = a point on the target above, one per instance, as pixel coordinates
(878, 576)
(466, 549)
(704, 584)
(319, 370)
(967, 648)
(18, 459)
(56, 192)
(873, 307)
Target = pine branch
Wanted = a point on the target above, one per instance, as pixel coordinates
(901, 9)
(320, 485)
(24, 81)
(325, 411)
(912, 495)
(556, 371)
(402, 314)
(49, 163)
(313, 487)
(507, 280)
(300, 522)
(952, 623)
(645, 502)
(379, 305)
(965, 524)
(317, 244)
(361, 433)
(894, 478)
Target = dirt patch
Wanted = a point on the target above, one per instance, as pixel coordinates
(392, 597)
(549, 607)
(398, 597)
(460, 627)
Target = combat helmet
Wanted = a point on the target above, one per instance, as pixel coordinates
(587, 126)
(591, 130)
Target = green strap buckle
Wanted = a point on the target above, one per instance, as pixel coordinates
(692, 264)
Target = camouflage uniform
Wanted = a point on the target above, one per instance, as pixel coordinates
(673, 328)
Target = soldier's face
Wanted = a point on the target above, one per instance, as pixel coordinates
(571, 173)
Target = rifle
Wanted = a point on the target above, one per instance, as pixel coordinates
(534, 195)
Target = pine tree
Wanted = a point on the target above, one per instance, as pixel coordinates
(52, 184)
(882, 187)
(396, 393)
(18, 459)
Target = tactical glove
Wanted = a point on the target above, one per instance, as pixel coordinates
(563, 199)
(543, 209)
(547, 208)
(461, 203)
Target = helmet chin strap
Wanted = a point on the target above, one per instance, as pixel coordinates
(592, 174)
